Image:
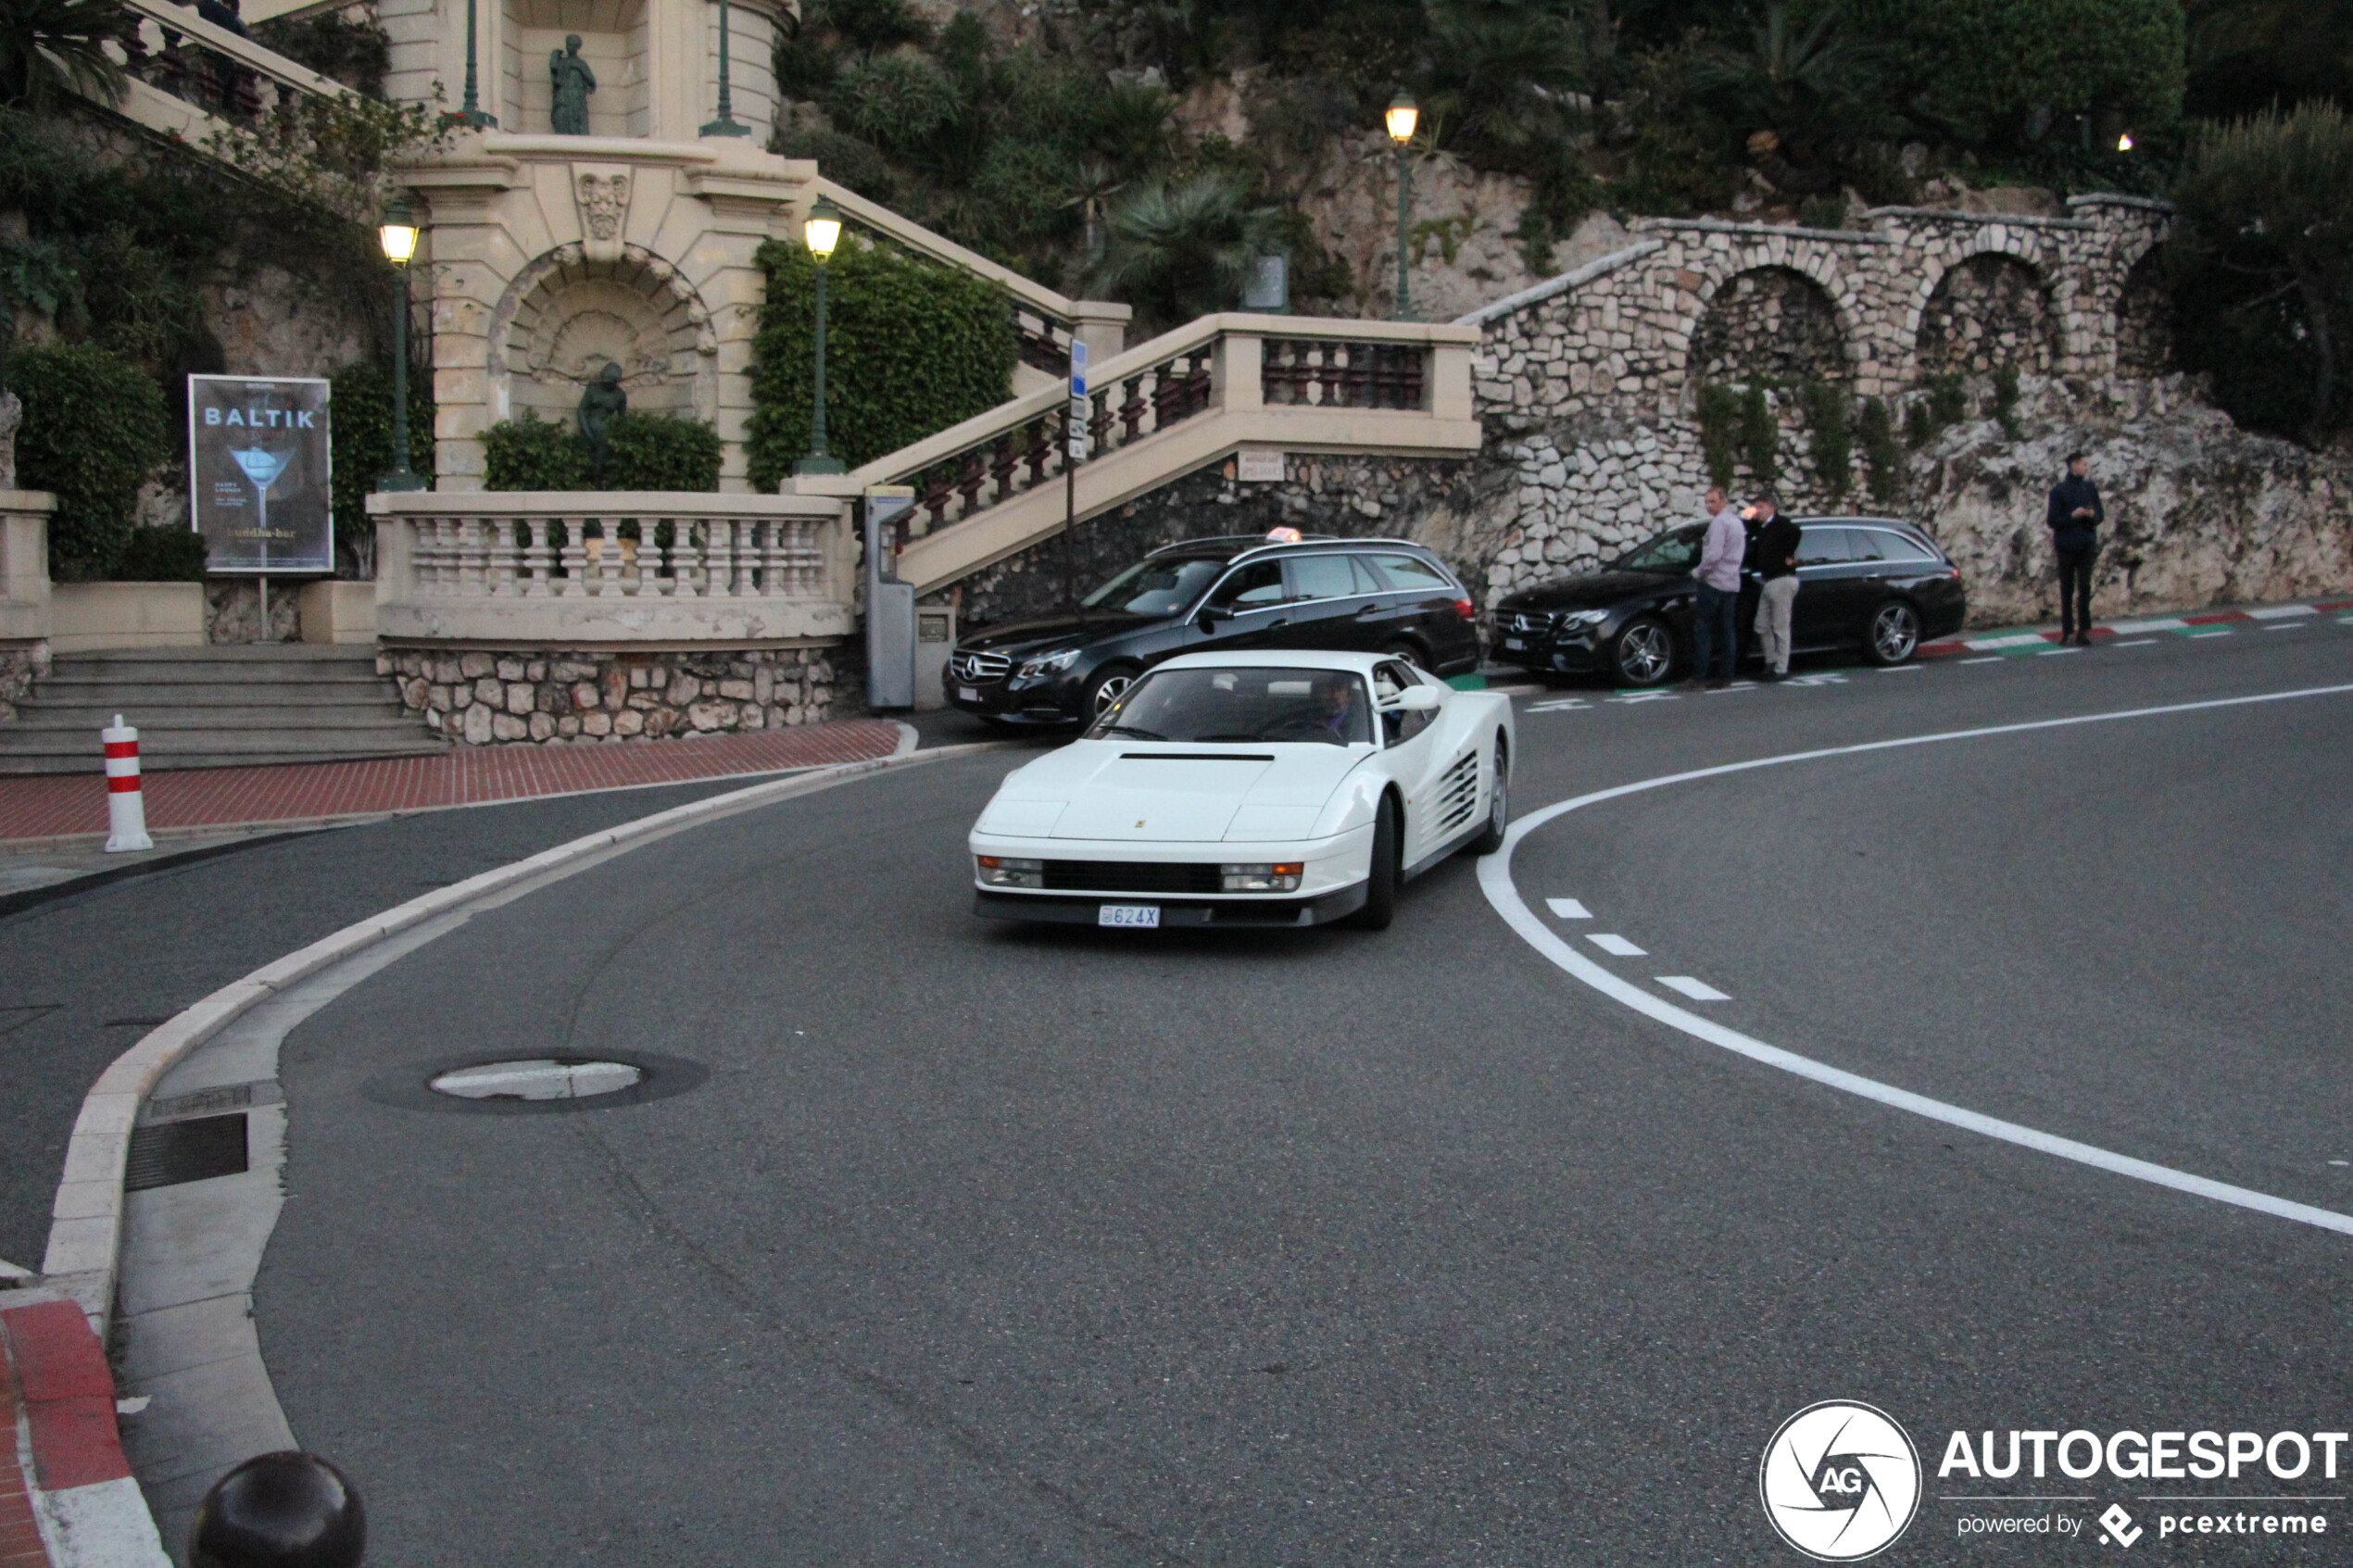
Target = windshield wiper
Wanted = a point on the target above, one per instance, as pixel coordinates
(1138, 733)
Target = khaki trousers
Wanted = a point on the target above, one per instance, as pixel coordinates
(1774, 603)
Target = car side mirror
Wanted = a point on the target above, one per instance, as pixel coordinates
(1418, 699)
(1206, 620)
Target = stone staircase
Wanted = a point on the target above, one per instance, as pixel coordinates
(214, 708)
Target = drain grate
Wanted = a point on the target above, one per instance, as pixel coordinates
(172, 1152)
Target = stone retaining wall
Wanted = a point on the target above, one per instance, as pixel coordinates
(484, 698)
(20, 664)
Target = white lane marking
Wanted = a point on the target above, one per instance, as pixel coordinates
(1567, 909)
(1698, 990)
(2137, 643)
(2281, 612)
(1988, 658)
(2052, 653)
(1646, 696)
(2196, 635)
(2134, 628)
(1564, 705)
(1496, 882)
(1612, 942)
(2290, 626)
(1735, 686)
(2016, 640)
(1903, 669)
(1815, 681)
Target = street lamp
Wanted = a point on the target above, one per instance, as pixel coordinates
(1404, 113)
(822, 231)
(398, 233)
(727, 124)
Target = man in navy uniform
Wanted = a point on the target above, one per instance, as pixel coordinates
(2074, 519)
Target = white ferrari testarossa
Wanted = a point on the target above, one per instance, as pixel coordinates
(1250, 789)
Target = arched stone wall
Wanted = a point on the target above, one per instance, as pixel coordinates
(566, 315)
(1768, 324)
(2145, 318)
(1988, 312)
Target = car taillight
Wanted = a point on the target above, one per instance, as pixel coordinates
(1464, 609)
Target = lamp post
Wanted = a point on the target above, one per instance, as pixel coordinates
(822, 229)
(470, 109)
(398, 233)
(1402, 117)
(727, 124)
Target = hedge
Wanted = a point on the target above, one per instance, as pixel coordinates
(645, 452)
(362, 401)
(910, 349)
(162, 554)
(94, 430)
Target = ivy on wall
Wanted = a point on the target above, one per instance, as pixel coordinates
(362, 405)
(94, 427)
(1833, 439)
(910, 349)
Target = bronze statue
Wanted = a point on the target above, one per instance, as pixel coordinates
(599, 401)
(571, 80)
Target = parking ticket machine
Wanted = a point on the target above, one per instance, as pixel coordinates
(890, 603)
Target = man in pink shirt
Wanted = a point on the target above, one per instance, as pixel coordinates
(1715, 643)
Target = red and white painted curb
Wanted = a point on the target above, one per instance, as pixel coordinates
(2204, 623)
(85, 1501)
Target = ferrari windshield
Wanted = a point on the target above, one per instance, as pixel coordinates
(1673, 552)
(1162, 586)
(1203, 706)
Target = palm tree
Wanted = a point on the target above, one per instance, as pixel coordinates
(51, 49)
(1090, 187)
(1184, 250)
(1500, 71)
(1795, 89)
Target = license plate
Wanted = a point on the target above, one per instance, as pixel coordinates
(965, 694)
(1514, 643)
(1144, 915)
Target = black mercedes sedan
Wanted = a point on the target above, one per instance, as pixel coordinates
(1870, 583)
(1346, 596)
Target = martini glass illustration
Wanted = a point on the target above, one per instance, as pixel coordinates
(262, 467)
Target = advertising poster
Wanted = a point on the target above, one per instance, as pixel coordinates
(259, 481)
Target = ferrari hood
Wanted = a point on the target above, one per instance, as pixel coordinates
(1172, 793)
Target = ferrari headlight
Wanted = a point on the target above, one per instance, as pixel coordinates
(1052, 663)
(1280, 878)
(1004, 871)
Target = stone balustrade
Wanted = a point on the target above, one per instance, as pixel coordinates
(24, 592)
(535, 569)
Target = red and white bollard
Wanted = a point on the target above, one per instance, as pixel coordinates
(126, 806)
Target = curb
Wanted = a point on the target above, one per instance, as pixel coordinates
(99, 1519)
(85, 1504)
(2005, 638)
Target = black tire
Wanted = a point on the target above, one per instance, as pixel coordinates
(1104, 688)
(1892, 633)
(1380, 887)
(1645, 653)
(1499, 807)
(1407, 651)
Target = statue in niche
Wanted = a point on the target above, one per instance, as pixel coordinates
(599, 401)
(572, 81)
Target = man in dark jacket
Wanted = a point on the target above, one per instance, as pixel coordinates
(2074, 519)
(1773, 557)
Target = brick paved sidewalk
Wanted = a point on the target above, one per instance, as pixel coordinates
(49, 806)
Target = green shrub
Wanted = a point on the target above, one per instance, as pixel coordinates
(845, 160)
(161, 555)
(361, 399)
(530, 453)
(661, 452)
(1947, 400)
(94, 430)
(1986, 65)
(1833, 440)
(1760, 437)
(1720, 418)
(2005, 400)
(910, 349)
(1882, 451)
(357, 54)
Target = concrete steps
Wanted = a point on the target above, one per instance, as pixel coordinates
(214, 708)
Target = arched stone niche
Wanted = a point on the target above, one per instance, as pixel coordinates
(2145, 318)
(567, 316)
(1988, 312)
(613, 39)
(1769, 324)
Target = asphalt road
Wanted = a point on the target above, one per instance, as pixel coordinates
(990, 1246)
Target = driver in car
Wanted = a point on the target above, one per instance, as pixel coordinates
(1339, 710)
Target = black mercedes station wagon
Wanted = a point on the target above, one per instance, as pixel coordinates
(1370, 595)
(1865, 583)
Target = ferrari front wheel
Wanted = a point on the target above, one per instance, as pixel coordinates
(1380, 887)
(1499, 804)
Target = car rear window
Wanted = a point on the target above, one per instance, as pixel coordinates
(1820, 546)
(1412, 574)
(1892, 546)
(1331, 577)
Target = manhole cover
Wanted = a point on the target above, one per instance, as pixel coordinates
(538, 1078)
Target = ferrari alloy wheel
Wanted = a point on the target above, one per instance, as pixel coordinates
(1645, 653)
(1895, 633)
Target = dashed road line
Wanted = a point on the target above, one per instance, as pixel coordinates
(2053, 653)
(1569, 909)
(1903, 669)
(2135, 643)
(1496, 882)
(2281, 612)
(2285, 626)
(2196, 635)
(1610, 942)
(1988, 658)
(1698, 990)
